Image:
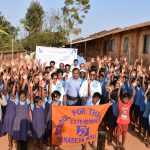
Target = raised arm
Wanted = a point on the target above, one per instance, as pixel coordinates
(42, 85)
(50, 88)
(134, 92)
(120, 83)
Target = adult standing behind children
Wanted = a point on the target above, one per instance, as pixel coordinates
(72, 87)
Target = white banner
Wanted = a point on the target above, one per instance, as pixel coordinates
(59, 55)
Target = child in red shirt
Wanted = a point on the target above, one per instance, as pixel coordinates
(123, 120)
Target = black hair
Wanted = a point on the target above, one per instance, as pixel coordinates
(54, 74)
(97, 95)
(92, 71)
(45, 73)
(116, 77)
(94, 68)
(36, 99)
(102, 70)
(52, 62)
(9, 69)
(76, 60)
(67, 65)
(56, 94)
(125, 95)
(36, 74)
(47, 67)
(114, 94)
(59, 71)
(75, 69)
(22, 92)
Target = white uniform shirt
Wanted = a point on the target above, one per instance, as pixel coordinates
(94, 87)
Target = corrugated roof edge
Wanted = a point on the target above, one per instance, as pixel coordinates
(109, 32)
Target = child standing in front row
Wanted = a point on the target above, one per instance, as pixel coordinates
(55, 101)
(22, 124)
(9, 118)
(123, 120)
(3, 102)
(38, 118)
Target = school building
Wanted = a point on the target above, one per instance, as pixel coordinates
(132, 42)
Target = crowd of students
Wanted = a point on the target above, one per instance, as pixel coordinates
(28, 89)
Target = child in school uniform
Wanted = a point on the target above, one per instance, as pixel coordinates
(55, 101)
(22, 124)
(9, 118)
(145, 121)
(95, 100)
(38, 118)
(137, 102)
(38, 121)
(3, 102)
(112, 112)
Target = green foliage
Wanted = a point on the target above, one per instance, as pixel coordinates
(33, 20)
(7, 32)
(73, 14)
(44, 38)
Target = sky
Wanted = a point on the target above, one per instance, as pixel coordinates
(103, 14)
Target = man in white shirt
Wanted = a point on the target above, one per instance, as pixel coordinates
(94, 87)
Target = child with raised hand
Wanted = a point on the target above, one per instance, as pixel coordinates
(38, 117)
(145, 120)
(123, 120)
(21, 124)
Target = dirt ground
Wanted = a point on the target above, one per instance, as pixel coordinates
(132, 143)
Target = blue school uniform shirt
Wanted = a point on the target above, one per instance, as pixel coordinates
(147, 109)
(139, 96)
(33, 106)
(114, 107)
(90, 103)
(126, 87)
(103, 83)
(17, 101)
(46, 100)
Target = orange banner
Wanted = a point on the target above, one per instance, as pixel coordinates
(76, 124)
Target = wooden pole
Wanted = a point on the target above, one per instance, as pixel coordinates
(12, 49)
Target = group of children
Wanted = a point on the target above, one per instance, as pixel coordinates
(28, 89)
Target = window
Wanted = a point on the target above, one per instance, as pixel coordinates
(111, 45)
(126, 44)
(146, 44)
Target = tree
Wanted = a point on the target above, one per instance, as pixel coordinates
(33, 20)
(73, 14)
(7, 32)
(44, 38)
